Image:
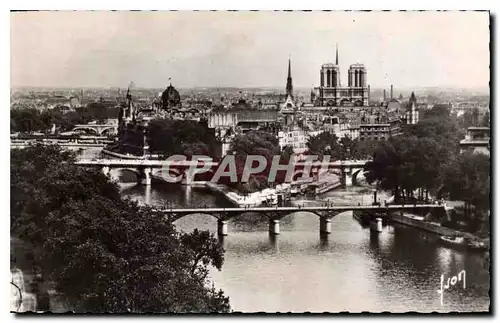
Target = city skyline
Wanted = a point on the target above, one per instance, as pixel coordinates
(247, 49)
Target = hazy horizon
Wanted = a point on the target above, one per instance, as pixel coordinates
(247, 49)
(277, 88)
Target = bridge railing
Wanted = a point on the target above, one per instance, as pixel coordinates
(301, 208)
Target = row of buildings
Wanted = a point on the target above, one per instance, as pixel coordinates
(343, 110)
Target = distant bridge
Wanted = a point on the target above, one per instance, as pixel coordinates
(65, 145)
(115, 162)
(275, 214)
(348, 169)
(98, 129)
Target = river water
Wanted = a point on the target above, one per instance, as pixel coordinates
(353, 270)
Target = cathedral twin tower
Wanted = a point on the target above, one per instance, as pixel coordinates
(331, 93)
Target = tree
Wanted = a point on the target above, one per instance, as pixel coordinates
(366, 148)
(349, 149)
(325, 143)
(287, 153)
(26, 120)
(405, 164)
(104, 253)
(171, 137)
(438, 111)
(257, 143)
(467, 178)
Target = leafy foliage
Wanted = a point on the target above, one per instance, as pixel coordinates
(170, 137)
(259, 143)
(106, 254)
(30, 119)
(426, 158)
(344, 148)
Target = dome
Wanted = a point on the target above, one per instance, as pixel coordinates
(170, 97)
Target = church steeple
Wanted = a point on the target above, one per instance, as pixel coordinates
(412, 98)
(337, 54)
(289, 86)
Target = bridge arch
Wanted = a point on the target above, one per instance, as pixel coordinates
(108, 130)
(194, 111)
(233, 216)
(122, 171)
(319, 214)
(355, 173)
(87, 128)
(171, 171)
(176, 217)
(287, 214)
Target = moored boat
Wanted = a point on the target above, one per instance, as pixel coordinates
(476, 245)
(464, 243)
(454, 241)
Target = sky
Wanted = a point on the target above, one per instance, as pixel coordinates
(247, 49)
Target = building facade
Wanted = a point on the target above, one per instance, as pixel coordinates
(294, 137)
(331, 93)
(412, 114)
(477, 139)
(379, 131)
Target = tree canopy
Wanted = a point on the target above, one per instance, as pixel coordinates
(186, 137)
(30, 119)
(344, 148)
(105, 253)
(257, 143)
(427, 158)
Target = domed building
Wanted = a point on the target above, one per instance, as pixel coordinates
(170, 98)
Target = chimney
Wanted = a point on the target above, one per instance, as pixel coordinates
(384, 95)
(391, 91)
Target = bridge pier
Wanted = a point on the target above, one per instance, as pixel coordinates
(222, 227)
(325, 226)
(346, 177)
(376, 226)
(274, 226)
(105, 170)
(146, 176)
(343, 178)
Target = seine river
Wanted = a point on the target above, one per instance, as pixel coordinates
(398, 270)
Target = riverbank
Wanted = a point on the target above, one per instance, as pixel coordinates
(266, 196)
(433, 227)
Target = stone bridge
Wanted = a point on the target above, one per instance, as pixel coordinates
(76, 145)
(347, 170)
(99, 129)
(275, 214)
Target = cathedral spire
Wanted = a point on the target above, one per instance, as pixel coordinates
(336, 54)
(412, 97)
(289, 86)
